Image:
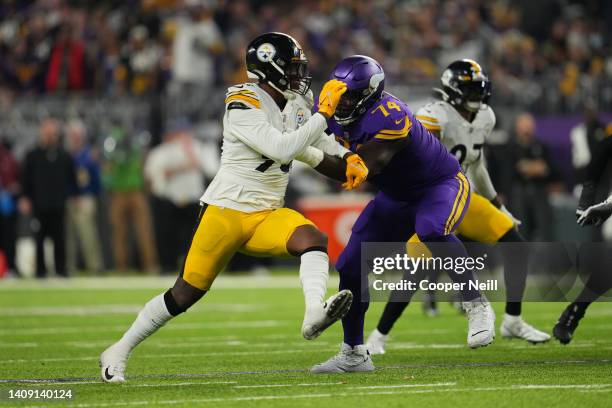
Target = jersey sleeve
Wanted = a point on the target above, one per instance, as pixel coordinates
(241, 97)
(433, 117)
(249, 124)
(391, 122)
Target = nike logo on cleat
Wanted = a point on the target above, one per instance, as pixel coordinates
(482, 331)
(107, 375)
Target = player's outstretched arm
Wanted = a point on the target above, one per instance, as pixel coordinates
(252, 127)
(349, 169)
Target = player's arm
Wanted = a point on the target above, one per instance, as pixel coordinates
(602, 154)
(343, 166)
(250, 125)
(392, 137)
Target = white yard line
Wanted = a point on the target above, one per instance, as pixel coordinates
(525, 387)
(180, 384)
(312, 348)
(113, 309)
(374, 387)
(175, 326)
(287, 385)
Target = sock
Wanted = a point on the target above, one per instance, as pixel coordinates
(153, 316)
(450, 246)
(314, 272)
(514, 258)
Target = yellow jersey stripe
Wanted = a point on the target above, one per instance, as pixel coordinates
(462, 202)
(404, 130)
(427, 118)
(431, 127)
(454, 208)
(390, 137)
(242, 98)
(242, 92)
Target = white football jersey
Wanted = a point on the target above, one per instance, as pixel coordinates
(463, 139)
(259, 143)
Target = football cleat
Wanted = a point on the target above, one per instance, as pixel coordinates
(349, 360)
(567, 323)
(112, 364)
(376, 342)
(514, 327)
(319, 318)
(481, 322)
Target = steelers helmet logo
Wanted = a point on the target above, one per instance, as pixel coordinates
(265, 52)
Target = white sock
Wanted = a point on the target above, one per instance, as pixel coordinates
(152, 316)
(314, 272)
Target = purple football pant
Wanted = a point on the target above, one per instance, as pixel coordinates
(432, 213)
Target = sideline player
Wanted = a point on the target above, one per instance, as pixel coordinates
(462, 120)
(266, 125)
(421, 189)
(588, 213)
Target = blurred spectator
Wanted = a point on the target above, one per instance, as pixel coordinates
(128, 205)
(533, 175)
(48, 179)
(67, 63)
(196, 41)
(141, 60)
(175, 170)
(9, 189)
(82, 229)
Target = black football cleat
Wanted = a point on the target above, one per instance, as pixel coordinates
(568, 322)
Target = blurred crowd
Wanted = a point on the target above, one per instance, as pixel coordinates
(558, 50)
(113, 186)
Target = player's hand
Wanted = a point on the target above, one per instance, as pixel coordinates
(329, 98)
(516, 221)
(356, 172)
(596, 214)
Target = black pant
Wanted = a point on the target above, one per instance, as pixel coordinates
(173, 227)
(52, 224)
(8, 238)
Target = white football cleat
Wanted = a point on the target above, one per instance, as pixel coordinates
(376, 342)
(112, 364)
(515, 327)
(481, 322)
(349, 360)
(320, 317)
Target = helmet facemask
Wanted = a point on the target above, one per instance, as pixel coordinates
(475, 93)
(297, 75)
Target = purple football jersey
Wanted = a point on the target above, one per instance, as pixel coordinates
(423, 162)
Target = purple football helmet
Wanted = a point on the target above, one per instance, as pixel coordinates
(365, 81)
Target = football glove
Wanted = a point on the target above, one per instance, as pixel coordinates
(596, 214)
(356, 172)
(330, 97)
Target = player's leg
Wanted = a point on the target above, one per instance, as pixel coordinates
(398, 301)
(217, 236)
(379, 221)
(486, 223)
(285, 232)
(595, 260)
(440, 210)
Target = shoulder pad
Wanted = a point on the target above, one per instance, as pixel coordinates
(390, 119)
(245, 94)
(433, 115)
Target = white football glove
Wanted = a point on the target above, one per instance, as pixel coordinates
(515, 220)
(596, 214)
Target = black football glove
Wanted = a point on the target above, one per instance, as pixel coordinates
(596, 214)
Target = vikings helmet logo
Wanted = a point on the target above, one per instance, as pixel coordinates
(265, 52)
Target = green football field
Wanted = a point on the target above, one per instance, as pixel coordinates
(241, 346)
